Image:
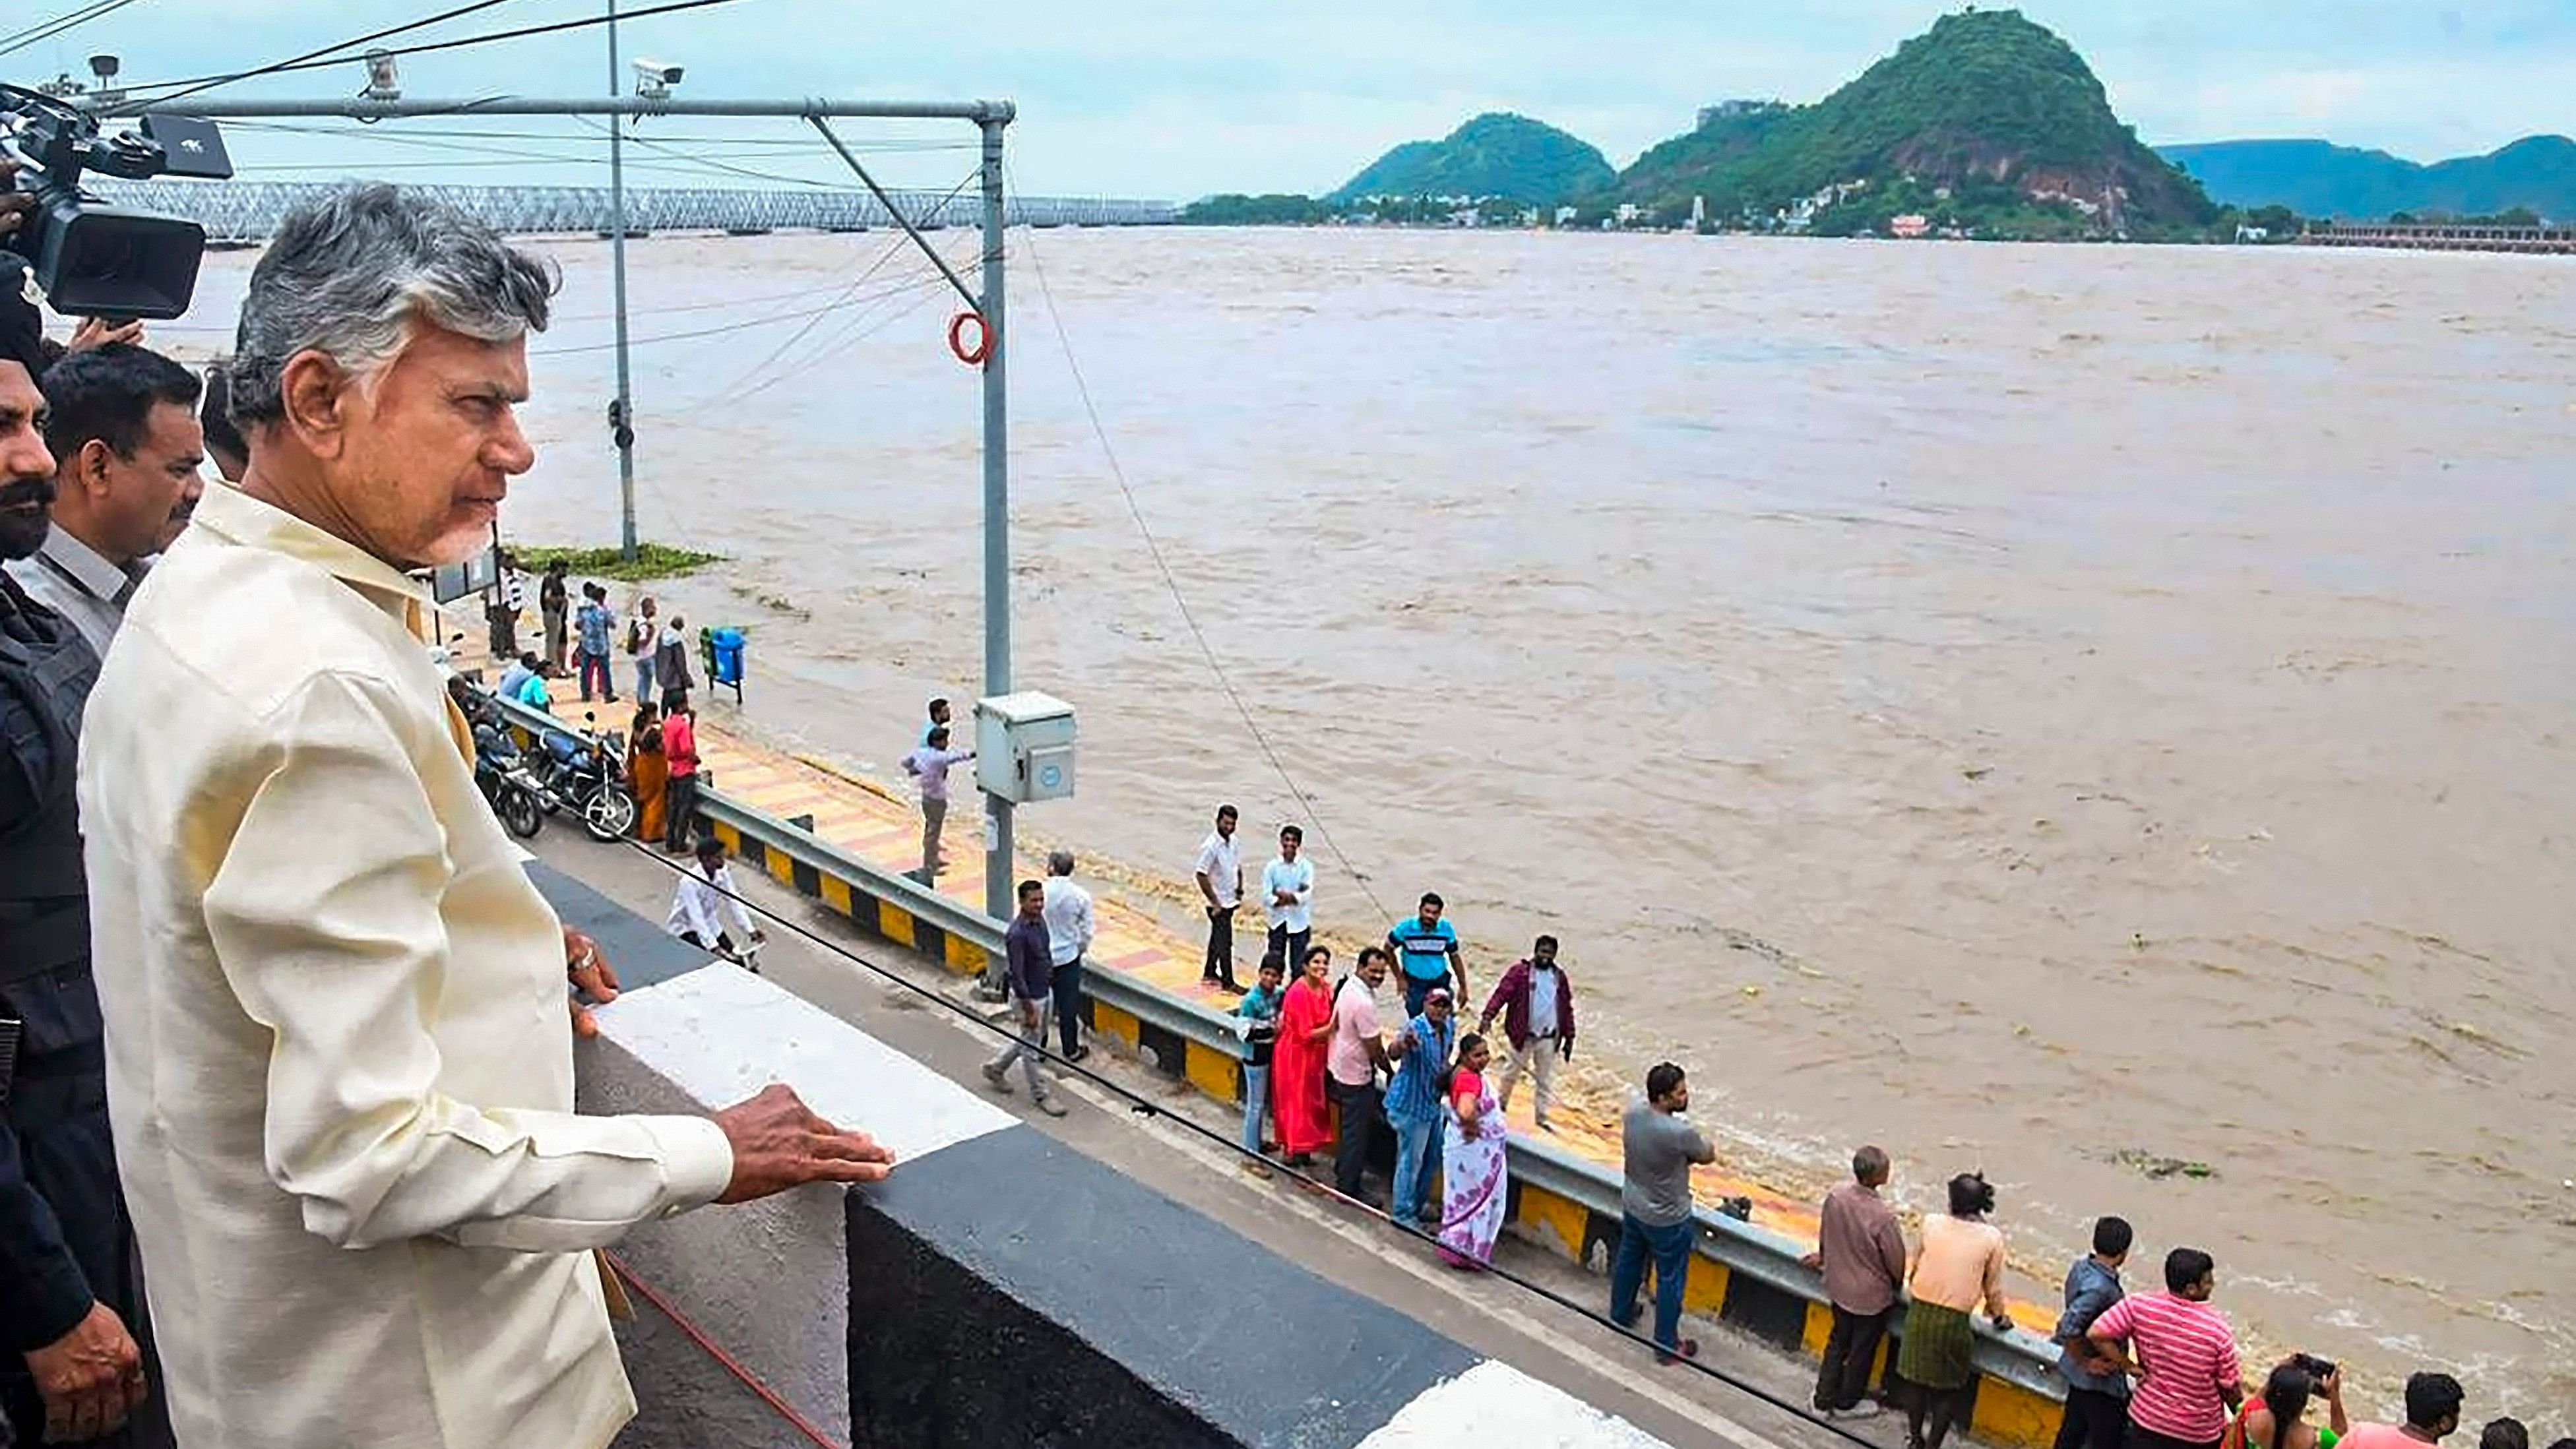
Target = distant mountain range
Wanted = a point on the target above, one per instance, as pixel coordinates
(1987, 124)
(1496, 154)
(2318, 178)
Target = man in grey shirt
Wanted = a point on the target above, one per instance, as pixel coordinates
(127, 446)
(1655, 1209)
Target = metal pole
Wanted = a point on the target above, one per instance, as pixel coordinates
(997, 510)
(624, 424)
(360, 108)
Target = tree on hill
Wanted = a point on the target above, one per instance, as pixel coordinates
(1496, 154)
(1984, 96)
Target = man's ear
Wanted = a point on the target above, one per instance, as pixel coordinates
(314, 392)
(90, 465)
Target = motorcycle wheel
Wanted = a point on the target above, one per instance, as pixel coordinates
(608, 814)
(520, 812)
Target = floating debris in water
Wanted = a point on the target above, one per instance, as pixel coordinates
(2163, 1167)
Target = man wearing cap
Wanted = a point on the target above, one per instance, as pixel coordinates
(1422, 1052)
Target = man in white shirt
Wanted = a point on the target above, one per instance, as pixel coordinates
(122, 426)
(1069, 930)
(1288, 894)
(1220, 877)
(336, 1036)
(706, 899)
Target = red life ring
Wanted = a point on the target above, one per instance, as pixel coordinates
(983, 347)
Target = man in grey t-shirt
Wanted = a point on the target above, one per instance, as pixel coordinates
(1655, 1209)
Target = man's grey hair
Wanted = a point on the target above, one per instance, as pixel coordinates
(1059, 862)
(1869, 1164)
(347, 273)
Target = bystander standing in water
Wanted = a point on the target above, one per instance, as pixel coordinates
(1069, 932)
(1288, 896)
(1861, 1251)
(1426, 947)
(1220, 877)
(929, 767)
(1537, 1006)
(1959, 1264)
(1658, 1150)
(1256, 1020)
(2194, 1377)
(1413, 1107)
(1031, 976)
(1351, 1065)
(2097, 1393)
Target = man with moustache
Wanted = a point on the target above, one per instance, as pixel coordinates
(127, 449)
(71, 1300)
(334, 1000)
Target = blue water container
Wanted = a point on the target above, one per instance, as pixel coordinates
(728, 657)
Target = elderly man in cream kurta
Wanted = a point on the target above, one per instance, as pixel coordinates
(339, 1062)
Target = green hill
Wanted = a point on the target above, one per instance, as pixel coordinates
(2316, 178)
(1996, 111)
(1496, 154)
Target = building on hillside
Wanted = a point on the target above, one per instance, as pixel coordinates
(1565, 215)
(1729, 110)
(1630, 213)
(1912, 226)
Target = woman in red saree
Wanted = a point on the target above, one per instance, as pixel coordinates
(1297, 1063)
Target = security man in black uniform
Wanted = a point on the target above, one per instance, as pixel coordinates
(71, 1303)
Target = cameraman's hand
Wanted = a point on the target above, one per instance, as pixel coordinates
(779, 1143)
(99, 332)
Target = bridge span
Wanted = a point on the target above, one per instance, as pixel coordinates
(248, 211)
(2445, 237)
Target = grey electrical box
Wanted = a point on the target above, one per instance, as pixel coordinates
(1024, 747)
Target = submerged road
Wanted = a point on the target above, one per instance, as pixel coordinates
(1493, 1317)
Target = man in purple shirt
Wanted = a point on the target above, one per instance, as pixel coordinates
(1862, 1252)
(1032, 976)
(930, 765)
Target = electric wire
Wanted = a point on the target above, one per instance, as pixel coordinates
(742, 388)
(47, 29)
(1142, 1106)
(699, 1336)
(327, 57)
(741, 326)
(654, 144)
(1189, 617)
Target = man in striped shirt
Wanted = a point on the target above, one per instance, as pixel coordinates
(2182, 1354)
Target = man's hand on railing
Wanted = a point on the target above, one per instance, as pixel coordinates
(779, 1143)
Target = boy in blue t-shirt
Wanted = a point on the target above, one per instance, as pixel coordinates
(1427, 948)
(1257, 1022)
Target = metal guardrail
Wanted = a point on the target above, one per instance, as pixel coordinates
(2020, 1357)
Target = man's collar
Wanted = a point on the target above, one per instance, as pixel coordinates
(234, 515)
(83, 565)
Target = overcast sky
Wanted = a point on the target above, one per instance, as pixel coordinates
(1178, 98)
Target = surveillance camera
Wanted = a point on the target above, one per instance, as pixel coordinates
(654, 72)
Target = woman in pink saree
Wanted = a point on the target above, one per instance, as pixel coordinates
(1473, 1189)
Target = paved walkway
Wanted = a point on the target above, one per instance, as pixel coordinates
(874, 821)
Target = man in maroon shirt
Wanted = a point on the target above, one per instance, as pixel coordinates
(1862, 1252)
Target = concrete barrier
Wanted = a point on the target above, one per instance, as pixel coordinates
(1000, 1290)
(1748, 1276)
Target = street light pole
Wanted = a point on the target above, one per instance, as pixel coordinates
(623, 424)
(998, 902)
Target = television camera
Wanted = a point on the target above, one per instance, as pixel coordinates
(90, 257)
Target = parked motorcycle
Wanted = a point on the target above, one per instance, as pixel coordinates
(517, 795)
(586, 772)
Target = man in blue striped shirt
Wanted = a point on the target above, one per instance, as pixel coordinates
(1413, 1108)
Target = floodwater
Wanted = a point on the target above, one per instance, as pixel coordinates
(2040, 709)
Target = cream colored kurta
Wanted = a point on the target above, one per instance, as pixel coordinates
(339, 1061)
